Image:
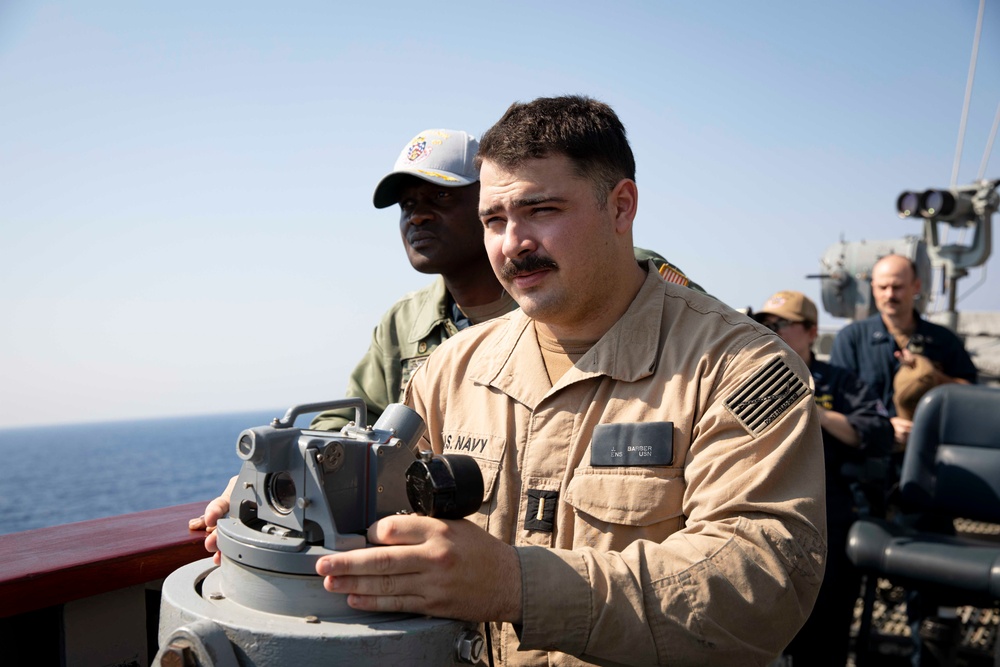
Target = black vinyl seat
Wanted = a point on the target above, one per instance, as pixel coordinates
(951, 469)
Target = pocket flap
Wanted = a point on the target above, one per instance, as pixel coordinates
(490, 470)
(627, 496)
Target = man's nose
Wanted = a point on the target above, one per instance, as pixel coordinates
(420, 214)
(517, 241)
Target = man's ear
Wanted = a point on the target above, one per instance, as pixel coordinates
(624, 201)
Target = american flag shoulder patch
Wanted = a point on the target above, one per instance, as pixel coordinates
(672, 274)
(766, 396)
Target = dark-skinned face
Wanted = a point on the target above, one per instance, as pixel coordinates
(440, 226)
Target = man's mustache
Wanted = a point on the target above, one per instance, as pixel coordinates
(514, 267)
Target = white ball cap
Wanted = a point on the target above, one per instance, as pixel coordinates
(443, 157)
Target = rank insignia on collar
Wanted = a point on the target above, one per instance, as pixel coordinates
(766, 396)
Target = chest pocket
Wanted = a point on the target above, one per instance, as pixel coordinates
(488, 451)
(614, 507)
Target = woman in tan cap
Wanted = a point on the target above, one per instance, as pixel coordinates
(856, 427)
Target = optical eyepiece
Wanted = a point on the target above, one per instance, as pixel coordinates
(445, 487)
(908, 204)
(936, 204)
(281, 492)
(945, 205)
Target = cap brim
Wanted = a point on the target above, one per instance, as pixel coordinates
(387, 190)
(759, 314)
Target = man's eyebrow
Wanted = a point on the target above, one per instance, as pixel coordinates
(524, 202)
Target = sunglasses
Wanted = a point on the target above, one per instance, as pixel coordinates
(778, 324)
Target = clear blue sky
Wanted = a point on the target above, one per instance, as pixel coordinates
(185, 188)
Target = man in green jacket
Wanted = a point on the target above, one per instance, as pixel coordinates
(436, 186)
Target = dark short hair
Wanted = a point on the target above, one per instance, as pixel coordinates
(586, 131)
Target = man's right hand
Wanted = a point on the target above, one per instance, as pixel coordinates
(902, 428)
(905, 357)
(214, 511)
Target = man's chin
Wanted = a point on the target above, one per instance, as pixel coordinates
(535, 305)
(423, 263)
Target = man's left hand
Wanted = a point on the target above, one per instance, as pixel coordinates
(448, 569)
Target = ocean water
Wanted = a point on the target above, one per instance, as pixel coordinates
(51, 475)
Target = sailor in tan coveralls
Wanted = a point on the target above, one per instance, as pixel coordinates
(652, 458)
(653, 461)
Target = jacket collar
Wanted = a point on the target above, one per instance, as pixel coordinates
(627, 352)
(880, 334)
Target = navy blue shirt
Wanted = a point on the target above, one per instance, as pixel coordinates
(868, 349)
(840, 390)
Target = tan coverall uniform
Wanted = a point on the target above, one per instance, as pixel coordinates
(714, 557)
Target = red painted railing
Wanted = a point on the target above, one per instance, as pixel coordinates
(50, 566)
